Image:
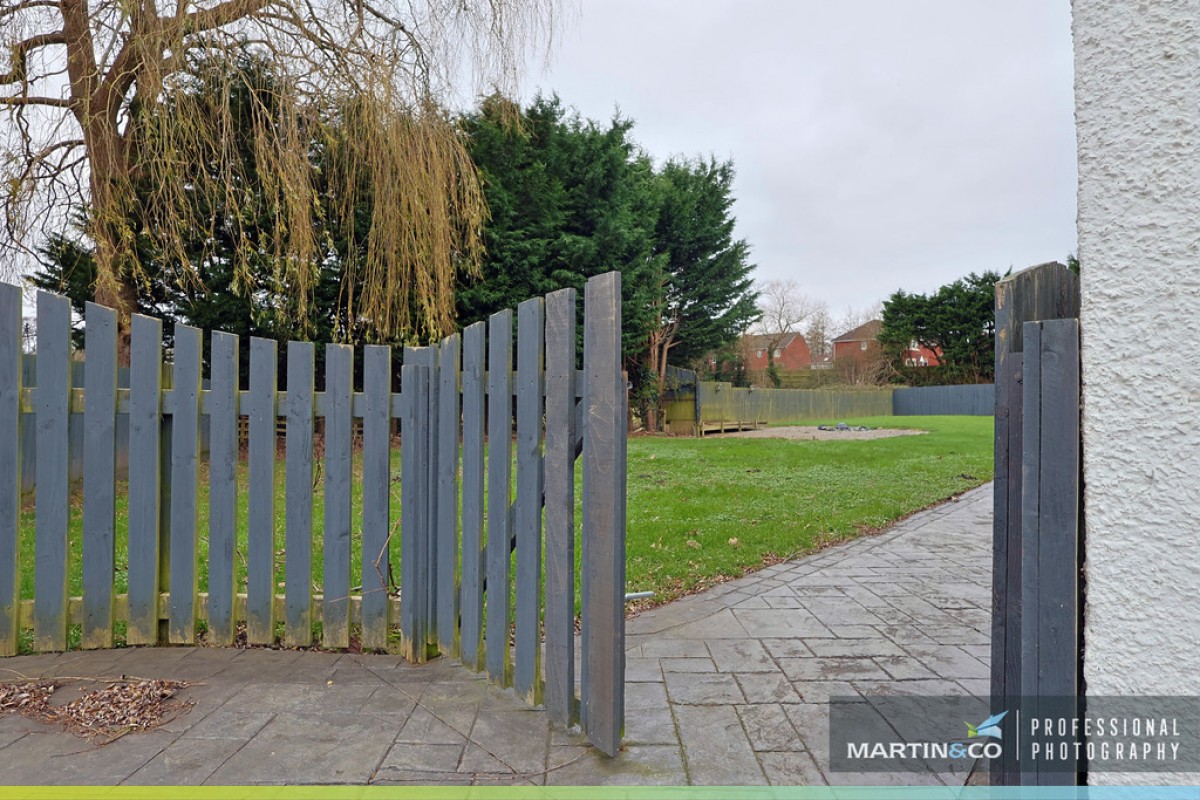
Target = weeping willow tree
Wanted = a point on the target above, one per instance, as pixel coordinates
(85, 93)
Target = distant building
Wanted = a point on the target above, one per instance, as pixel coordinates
(859, 344)
(790, 351)
(862, 344)
(919, 356)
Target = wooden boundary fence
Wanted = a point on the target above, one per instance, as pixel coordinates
(461, 524)
(700, 407)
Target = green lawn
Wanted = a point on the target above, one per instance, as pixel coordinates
(699, 510)
(705, 509)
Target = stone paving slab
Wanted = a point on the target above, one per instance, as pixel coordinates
(729, 686)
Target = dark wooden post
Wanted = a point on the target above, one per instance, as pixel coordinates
(1046, 291)
(1050, 494)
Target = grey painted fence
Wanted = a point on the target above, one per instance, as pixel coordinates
(964, 400)
(457, 594)
(1036, 559)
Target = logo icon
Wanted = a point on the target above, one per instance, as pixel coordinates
(989, 727)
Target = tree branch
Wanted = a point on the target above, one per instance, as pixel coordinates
(26, 6)
(26, 100)
(221, 15)
(20, 54)
(38, 158)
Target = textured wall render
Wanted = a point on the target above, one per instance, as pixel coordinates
(1137, 89)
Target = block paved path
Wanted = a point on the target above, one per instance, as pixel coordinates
(724, 687)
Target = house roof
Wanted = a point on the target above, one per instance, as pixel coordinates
(868, 331)
(761, 341)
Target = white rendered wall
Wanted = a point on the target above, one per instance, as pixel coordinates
(1137, 96)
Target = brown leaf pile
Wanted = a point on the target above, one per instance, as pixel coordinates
(30, 699)
(103, 715)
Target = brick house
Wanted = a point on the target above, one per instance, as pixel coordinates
(791, 351)
(919, 356)
(862, 344)
(858, 344)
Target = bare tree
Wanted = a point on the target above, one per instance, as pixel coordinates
(818, 332)
(784, 310)
(361, 78)
(852, 317)
(784, 307)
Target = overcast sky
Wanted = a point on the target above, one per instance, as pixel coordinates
(879, 144)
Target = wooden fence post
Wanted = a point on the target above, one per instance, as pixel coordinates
(339, 391)
(446, 528)
(298, 529)
(145, 478)
(51, 552)
(603, 516)
(223, 488)
(376, 494)
(499, 468)
(10, 453)
(560, 506)
(528, 510)
(1050, 561)
(1046, 291)
(414, 487)
(473, 404)
(260, 544)
(425, 532)
(99, 463)
(185, 447)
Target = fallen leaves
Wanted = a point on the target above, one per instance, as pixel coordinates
(103, 715)
(29, 699)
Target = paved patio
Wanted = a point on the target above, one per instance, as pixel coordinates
(726, 687)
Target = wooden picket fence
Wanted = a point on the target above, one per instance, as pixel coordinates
(461, 527)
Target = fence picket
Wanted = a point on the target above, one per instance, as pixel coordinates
(298, 529)
(560, 506)
(414, 473)
(528, 513)
(426, 357)
(185, 446)
(376, 558)
(446, 536)
(145, 468)
(222, 483)
(260, 544)
(99, 462)
(473, 398)
(339, 387)
(603, 516)
(499, 468)
(50, 549)
(10, 453)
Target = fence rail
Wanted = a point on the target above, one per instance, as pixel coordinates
(456, 591)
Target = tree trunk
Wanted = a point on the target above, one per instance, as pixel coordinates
(652, 368)
(111, 207)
